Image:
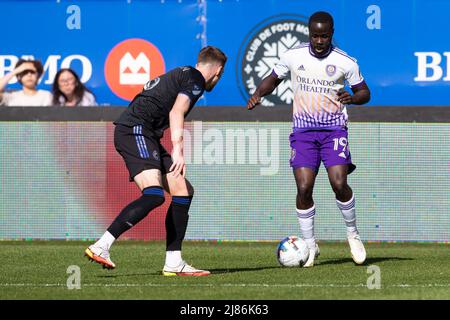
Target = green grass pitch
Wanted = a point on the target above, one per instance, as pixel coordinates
(240, 270)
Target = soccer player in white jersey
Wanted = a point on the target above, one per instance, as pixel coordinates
(319, 72)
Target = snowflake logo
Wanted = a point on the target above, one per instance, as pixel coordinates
(262, 53)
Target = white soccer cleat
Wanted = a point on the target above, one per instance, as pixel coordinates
(356, 248)
(313, 254)
(99, 255)
(184, 270)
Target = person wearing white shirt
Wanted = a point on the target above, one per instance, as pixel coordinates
(28, 73)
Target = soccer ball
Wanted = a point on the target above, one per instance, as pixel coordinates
(292, 251)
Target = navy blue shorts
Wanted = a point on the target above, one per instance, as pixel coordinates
(141, 150)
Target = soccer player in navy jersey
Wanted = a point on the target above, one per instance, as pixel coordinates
(164, 102)
(319, 72)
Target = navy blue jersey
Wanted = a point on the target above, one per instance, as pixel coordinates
(152, 106)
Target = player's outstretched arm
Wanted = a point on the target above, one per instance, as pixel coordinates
(176, 123)
(266, 87)
(361, 95)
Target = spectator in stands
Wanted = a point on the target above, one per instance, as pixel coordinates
(28, 73)
(68, 90)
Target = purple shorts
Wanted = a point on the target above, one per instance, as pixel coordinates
(309, 148)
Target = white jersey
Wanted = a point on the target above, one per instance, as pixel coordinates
(315, 83)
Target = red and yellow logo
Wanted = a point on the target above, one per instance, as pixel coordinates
(130, 65)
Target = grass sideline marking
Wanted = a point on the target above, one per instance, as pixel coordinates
(331, 285)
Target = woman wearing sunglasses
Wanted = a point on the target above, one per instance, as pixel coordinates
(28, 73)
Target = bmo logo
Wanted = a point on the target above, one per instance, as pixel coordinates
(134, 71)
(431, 66)
(51, 64)
(130, 65)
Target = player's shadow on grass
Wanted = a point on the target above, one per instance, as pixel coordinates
(122, 275)
(368, 261)
(213, 271)
(232, 270)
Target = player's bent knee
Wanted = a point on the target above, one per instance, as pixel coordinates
(304, 190)
(154, 196)
(158, 201)
(148, 178)
(178, 186)
(339, 186)
(183, 190)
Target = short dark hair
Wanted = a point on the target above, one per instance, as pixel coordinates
(37, 64)
(211, 54)
(321, 16)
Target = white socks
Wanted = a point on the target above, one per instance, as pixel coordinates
(306, 221)
(348, 212)
(105, 241)
(173, 258)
